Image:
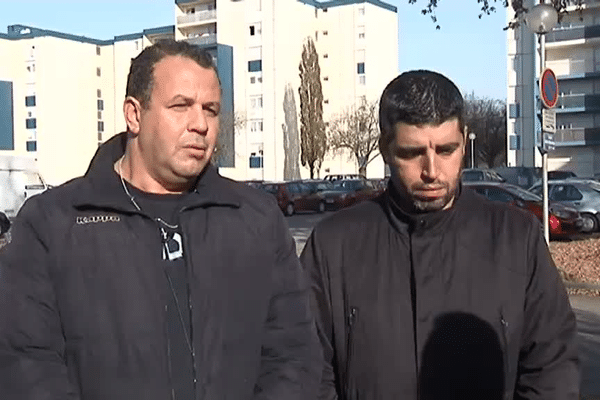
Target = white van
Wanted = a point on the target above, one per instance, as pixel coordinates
(19, 180)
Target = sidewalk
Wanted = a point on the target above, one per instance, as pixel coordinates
(587, 310)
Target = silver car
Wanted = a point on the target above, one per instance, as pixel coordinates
(581, 194)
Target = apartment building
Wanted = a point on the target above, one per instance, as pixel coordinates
(61, 95)
(572, 51)
(357, 43)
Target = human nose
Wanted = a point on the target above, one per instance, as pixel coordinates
(197, 121)
(430, 167)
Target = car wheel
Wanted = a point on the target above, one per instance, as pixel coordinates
(289, 209)
(321, 207)
(590, 223)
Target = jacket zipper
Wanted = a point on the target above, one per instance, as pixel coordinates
(352, 316)
(504, 339)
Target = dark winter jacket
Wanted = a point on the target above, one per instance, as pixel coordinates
(464, 303)
(83, 295)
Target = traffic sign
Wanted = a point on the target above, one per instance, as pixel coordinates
(548, 142)
(549, 88)
(548, 120)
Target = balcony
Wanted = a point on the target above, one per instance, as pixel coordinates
(204, 39)
(572, 103)
(197, 17)
(577, 136)
(574, 33)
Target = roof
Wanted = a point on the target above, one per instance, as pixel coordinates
(18, 32)
(336, 3)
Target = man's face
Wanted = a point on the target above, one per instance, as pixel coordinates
(425, 163)
(178, 131)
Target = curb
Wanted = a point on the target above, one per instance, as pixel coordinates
(581, 285)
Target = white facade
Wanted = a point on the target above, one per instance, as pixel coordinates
(67, 95)
(66, 92)
(572, 51)
(267, 38)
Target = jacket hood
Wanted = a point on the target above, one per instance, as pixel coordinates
(103, 188)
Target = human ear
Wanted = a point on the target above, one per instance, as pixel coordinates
(132, 110)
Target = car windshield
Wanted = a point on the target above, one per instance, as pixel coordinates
(524, 194)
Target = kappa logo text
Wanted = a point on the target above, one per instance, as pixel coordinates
(94, 219)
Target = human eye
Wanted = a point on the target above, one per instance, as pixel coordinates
(408, 153)
(212, 109)
(446, 150)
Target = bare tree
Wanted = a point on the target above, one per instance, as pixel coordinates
(291, 142)
(357, 130)
(313, 141)
(489, 6)
(230, 123)
(487, 119)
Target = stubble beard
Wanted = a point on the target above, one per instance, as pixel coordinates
(421, 205)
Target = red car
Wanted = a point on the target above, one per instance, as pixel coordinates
(297, 196)
(562, 220)
(346, 192)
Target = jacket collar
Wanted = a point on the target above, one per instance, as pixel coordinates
(102, 186)
(420, 223)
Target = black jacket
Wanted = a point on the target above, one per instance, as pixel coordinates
(464, 303)
(83, 295)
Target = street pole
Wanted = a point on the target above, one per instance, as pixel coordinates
(542, 40)
(472, 139)
(541, 19)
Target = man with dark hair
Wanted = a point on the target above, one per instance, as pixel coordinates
(152, 277)
(431, 291)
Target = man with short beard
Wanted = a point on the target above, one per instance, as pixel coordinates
(431, 291)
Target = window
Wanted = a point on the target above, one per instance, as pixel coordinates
(98, 51)
(256, 126)
(99, 136)
(514, 142)
(325, 33)
(30, 101)
(566, 193)
(360, 68)
(325, 78)
(100, 126)
(99, 114)
(256, 161)
(255, 66)
(325, 10)
(361, 11)
(100, 104)
(256, 102)
(31, 145)
(325, 55)
(255, 29)
(514, 110)
(99, 93)
(362, 80)
(31, 123)
(98, 72)
(252, 79)
(361, 32)
(251, 30)
(326, 101)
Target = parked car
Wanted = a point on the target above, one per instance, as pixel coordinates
(480, 174)
(297, 196)
(253, 183)
(560, 175)
(337, 177)
(562, 220)
(581, 194)
(346, 192)
(524, 177)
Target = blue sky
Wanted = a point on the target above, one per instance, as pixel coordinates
(469, 50)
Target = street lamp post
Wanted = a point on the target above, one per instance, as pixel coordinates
(540, 20)
(472, 137)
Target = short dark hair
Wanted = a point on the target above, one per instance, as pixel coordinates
(140, 80)
(418, 98)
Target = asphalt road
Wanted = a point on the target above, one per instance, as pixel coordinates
(587, 310)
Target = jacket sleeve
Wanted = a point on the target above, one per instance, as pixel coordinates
(548, 362)
(291, 357)
(320, 299)
(32, 365)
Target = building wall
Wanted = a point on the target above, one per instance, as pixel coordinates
(572, 51)
(78, 98)
(274, 32)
